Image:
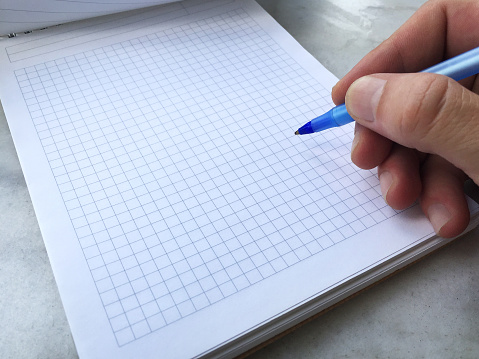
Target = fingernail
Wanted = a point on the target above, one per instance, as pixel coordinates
(363, 96)
(438, 215)
(385, 181)
(356, 138)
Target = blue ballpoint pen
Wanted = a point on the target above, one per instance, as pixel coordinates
(457, 68)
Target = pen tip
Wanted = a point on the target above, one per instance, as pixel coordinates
(296, 133)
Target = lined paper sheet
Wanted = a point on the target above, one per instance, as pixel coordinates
(178, 209)
(20, 16)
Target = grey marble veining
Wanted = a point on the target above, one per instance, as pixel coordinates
(340, 32)
(429, 310)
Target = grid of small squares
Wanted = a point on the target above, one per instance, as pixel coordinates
(175, 158)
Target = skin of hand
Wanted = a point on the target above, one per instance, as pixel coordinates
(420, 130)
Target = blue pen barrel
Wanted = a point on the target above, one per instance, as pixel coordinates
(459, 67)
(338, 116)
(341, 115)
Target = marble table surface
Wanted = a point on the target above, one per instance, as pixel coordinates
(429, 310)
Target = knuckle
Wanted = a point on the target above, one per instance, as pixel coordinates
(426, 104)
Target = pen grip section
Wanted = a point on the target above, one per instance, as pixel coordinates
(341, 115)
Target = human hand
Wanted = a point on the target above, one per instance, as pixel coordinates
(420, 130)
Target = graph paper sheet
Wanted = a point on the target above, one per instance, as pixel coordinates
(178, 209)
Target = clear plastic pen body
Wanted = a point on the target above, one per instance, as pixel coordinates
(457, 68)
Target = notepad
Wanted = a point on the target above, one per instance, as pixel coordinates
(181, 215)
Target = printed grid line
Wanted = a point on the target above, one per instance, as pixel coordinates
(172, 156)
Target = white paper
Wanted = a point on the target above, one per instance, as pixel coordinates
(178, 209)
(28, 15)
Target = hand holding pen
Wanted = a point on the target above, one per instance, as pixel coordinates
(420, 130)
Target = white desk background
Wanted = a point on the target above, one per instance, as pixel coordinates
(429, 310)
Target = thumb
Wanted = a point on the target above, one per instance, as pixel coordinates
(428, 112)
